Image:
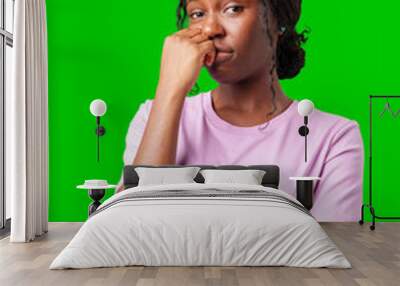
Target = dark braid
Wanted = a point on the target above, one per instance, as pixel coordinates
(290, 54)
(179, 11)
(273, 65)
(288, 58)
(181, 16)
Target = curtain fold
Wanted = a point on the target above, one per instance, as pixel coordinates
(27, 124)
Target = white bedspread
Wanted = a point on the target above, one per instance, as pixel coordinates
(181, 231)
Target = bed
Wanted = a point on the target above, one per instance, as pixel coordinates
(201, 224)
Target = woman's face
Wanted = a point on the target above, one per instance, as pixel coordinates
(238, 28)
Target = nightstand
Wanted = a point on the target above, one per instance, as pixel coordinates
(304, 190)
(96, 190)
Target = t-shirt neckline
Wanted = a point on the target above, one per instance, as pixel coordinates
(217, 121)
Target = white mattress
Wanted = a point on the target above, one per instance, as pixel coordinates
(202, 231)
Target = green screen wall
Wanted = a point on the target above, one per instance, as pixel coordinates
(112, 50)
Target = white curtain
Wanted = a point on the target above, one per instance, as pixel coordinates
(27, 124)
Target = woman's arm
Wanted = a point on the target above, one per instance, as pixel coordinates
(184, 53)
(338, 195)
(156, 134)
(120, 189)
(159, 141)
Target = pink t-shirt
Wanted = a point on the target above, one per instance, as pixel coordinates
(335, 150)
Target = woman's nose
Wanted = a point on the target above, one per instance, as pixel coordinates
(212, 28)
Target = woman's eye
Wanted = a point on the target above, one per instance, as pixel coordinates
(194, 13)
(235, 8)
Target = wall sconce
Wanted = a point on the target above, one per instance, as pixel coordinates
(305, 108)
(98, 108)
(304, 185)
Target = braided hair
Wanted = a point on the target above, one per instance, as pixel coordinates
(289, 57)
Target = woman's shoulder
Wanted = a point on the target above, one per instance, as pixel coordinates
(335, 126)
(330, 119)
(194, 103)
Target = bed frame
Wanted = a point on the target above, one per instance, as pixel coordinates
(270, 179)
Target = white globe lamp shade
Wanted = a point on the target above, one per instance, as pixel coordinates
(305, 107)
(98, 107)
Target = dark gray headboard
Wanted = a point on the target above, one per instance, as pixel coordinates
(270, 179)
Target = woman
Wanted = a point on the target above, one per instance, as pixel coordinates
(246, 46)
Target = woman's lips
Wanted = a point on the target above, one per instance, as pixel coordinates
(222, 57)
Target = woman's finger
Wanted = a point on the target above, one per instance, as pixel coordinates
(210, 58)
(188, 32)
(199, 38)
(207, 48)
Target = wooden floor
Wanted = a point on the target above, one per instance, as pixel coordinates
(374, 255)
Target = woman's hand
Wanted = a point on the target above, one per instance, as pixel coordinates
(184, 53)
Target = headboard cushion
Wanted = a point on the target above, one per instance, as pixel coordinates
(270, 179)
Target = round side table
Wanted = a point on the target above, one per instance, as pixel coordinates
(304, 190)
(96, 193)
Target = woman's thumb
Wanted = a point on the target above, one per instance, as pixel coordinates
(210, 57)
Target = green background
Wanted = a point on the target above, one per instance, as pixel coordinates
(112, 50)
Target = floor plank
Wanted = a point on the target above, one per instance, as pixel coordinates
(374, 255)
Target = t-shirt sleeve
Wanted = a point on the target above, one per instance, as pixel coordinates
(134, 135)
(338, 195)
